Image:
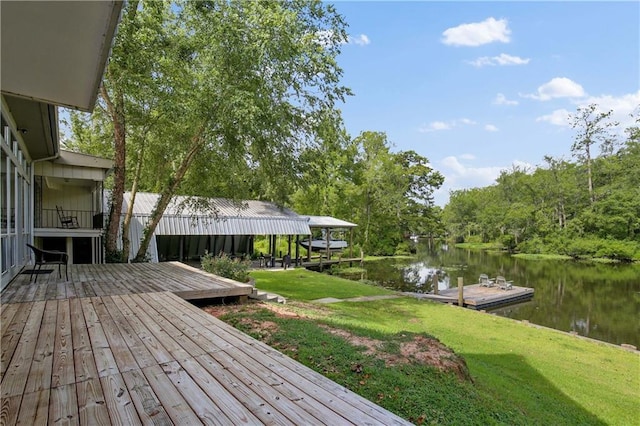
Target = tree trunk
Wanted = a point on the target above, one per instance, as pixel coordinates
(126, 243)
(167, 194)
(588, 152)
(116, 112)
(368, 221)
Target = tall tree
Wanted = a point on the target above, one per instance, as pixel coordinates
(255, 79)
(593, 127)
(243, 85)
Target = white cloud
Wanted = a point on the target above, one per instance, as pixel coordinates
(448, 125)
(478, 33)
(559, 87)
(490, 128)
(468, 157)
(559, 117)
(622, 107)
(502, 59)
(434, 126)
(360, 40)
(502, 100)
(481, 175)
(466, 121)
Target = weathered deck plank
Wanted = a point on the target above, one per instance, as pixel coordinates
(113, 279)
(119, 402)
(17, 372)
(63, 366)
(41, 370)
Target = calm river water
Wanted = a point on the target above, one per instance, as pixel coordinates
(600, 301)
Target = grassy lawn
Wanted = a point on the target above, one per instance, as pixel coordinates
(304, 285)
(521, 374)
(479, 246)
(538, 256)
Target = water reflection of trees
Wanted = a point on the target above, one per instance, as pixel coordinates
(420, 277)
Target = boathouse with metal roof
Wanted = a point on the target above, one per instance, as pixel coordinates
(191, 226)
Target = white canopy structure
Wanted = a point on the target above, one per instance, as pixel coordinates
(191, 225)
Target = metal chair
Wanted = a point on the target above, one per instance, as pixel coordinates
(49, 257)
(69, 222)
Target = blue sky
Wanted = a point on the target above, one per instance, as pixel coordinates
(477, 87)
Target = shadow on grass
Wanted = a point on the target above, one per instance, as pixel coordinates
(511, 380)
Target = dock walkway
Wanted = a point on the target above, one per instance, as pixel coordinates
(107, 348)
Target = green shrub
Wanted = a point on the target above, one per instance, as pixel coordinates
(403, 249)
(227, 267)
(508, 241)
(619, 250)
(582, 247)
(534, 245)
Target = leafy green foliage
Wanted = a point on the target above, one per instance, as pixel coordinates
(225, 266)
(388, 194)
(219, 99)
(580, 209)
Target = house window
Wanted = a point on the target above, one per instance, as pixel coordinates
(15, 229)
(4, 210)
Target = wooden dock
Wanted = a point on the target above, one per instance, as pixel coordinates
(480, 297)
(131, 355)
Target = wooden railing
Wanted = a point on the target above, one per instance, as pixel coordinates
(49, 218)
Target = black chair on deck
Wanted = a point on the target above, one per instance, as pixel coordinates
(49, 257)
(69, 222)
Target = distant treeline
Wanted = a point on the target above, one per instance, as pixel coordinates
(589, 207)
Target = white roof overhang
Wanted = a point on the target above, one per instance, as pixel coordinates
(328, 222)
(55, 52)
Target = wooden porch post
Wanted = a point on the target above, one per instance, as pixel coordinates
(351, 243)
(273, 250)
(328, 238)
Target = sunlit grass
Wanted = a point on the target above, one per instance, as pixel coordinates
(479, 246)
(530, 362)
(540, 256)
(300, 284)
(552, 377)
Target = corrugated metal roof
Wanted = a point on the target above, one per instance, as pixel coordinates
(198, 206)
(328, 222)
(218, 216)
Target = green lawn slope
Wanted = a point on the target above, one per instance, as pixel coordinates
(547, 376)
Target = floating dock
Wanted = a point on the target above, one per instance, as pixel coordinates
(480, 297)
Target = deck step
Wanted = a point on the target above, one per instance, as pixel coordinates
(267, 297)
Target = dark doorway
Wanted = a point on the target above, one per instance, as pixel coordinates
(54, 243)
(82, 250)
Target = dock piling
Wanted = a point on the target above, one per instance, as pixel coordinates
(460, 291)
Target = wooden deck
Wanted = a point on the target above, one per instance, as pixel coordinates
(479, 297)
(139, 357)
(111, 279)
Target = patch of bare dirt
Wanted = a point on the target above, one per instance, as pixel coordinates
(419, 349)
